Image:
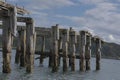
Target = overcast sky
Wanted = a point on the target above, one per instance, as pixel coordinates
(101, 17)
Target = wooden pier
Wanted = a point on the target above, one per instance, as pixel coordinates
(66, 43)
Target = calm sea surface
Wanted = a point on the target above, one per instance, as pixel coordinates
(110, 70)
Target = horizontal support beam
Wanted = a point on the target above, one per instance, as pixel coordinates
(9, 6)
(43, 31)
(47, 54)
(24, 19)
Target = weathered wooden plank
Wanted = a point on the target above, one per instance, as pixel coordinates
(39, 31)
(24, 19)
(43, 33)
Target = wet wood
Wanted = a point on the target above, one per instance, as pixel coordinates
(18, 49)
(50, 64)
(6, 44)
(88, 51)
(55, 57)
(82, 50)
(42, 50)
(9, 28)
(29, 45)
(98, 52)
(59, 50)
(23, 48)
(72, 49)
(65, 39)
(55, 38)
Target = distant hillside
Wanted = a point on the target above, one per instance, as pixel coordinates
(109, 50)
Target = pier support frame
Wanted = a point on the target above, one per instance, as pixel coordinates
(9, 26)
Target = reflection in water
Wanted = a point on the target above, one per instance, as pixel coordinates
(109, 71)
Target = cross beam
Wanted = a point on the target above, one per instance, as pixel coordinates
(6, 6)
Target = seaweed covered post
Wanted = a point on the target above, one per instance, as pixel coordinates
(88, 50)
(55, 38)
(72, 48)
(82, 50)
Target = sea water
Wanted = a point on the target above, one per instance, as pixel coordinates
(110, 70)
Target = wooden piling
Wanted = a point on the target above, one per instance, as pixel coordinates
(55, 38)
(42, 50)
(6, 43)
(23, 48)
(34, 43)
(65, 39)
(50, 64)
(55, 57)
(98, 52)
(82, 50)
(18, 49)
(9, 25)
(88, 51)
(29, 45)
(59, 50)
(72, 41)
